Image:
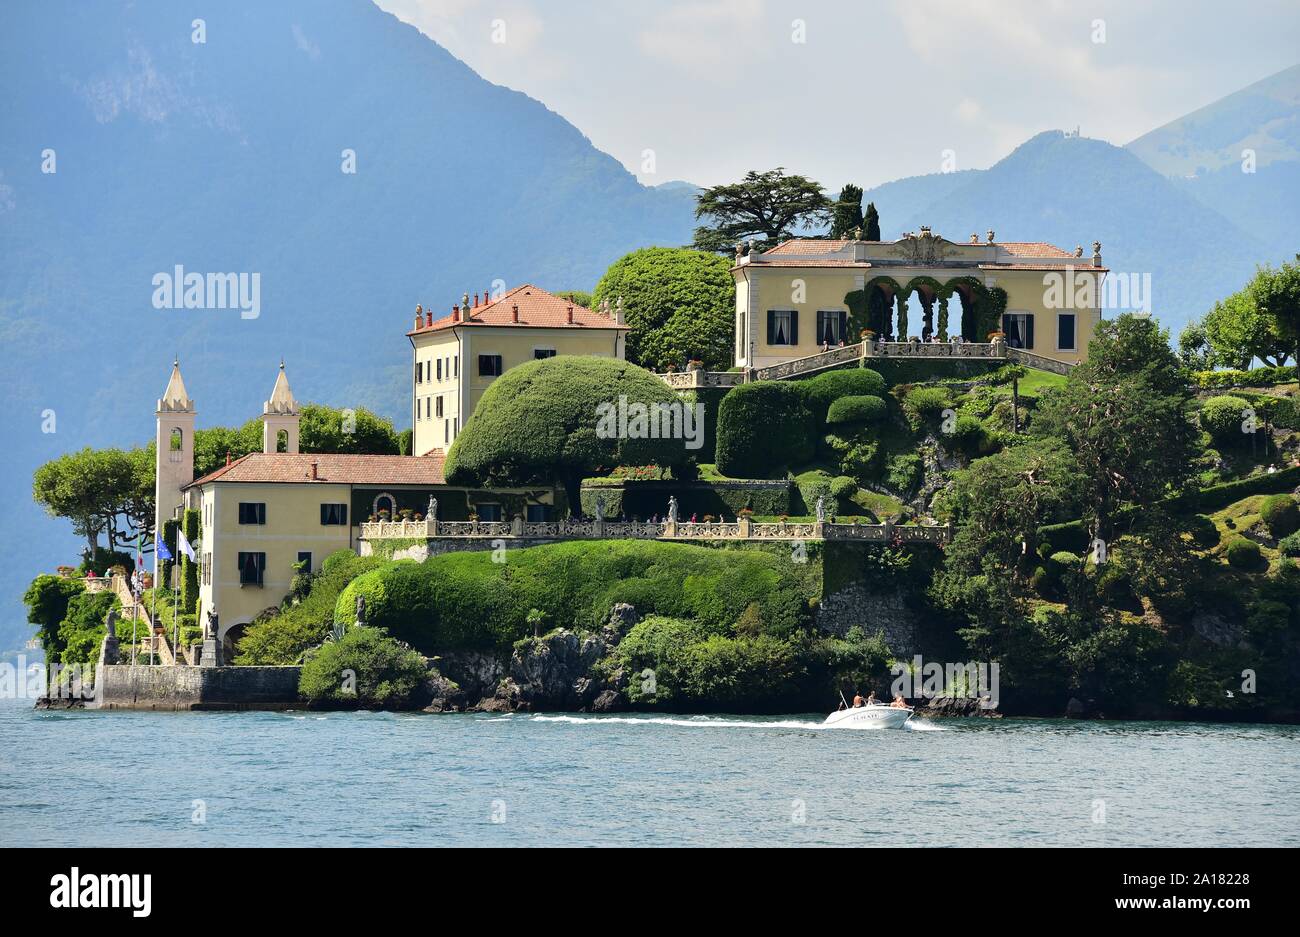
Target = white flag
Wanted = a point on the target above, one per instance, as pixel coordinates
(185, 546)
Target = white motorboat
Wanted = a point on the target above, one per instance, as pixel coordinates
(871, 716)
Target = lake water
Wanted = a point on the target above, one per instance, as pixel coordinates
(87, 778)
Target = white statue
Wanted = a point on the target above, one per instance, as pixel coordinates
(821, 510)
(600, 507)
(672, 509)
(433, 508)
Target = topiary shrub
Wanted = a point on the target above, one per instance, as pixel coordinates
(763, 428)
(842, 486)
(365, 668)
(824, 389)
(1244, 554)
(856, 409)
(1222, 417)
(925, 404)
(1281, 514)
(1204, 534)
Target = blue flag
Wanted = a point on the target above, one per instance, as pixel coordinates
(163, 552)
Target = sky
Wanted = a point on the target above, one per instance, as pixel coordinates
(862, 91)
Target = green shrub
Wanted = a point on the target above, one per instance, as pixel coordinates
(904, 473)
(465, 601)
(842, 486)
(1222, 417)
(1281, 514)
(1290, 545)
(925, 405)
(861, 460)
(47, 601)
(83, 627)
(282, 638)
(1244, 554)
(365, 667)
(1204, 534)
(821, 391)
(763, 428)
(856, 409)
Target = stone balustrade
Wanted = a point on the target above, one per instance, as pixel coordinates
(589, 529)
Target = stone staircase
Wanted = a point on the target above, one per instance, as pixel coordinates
(134, 611)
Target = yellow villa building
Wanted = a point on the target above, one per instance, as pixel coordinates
(454, 359)
(805, 295)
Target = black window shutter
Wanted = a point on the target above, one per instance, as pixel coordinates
(343, 514)
(844, 326)
(771, 327)
(1029, 330)
(324, 513)
(794, 326)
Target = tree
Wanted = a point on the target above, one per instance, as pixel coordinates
(47, 601)
(99, 490)
(366, 668)
(1238, 333)
(680, 304)
(1194, 349)
(846, 215)
(766, 207)
(872, 222)
(549, 421)
(1276, 294)
(1126, 413)
(1001, 500)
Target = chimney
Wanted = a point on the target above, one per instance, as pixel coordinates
(428, 317)
(227, 456)
(315, 473)
(455, 313)
(514, 313)
(419, 316)
(476, 300)
(569, 312)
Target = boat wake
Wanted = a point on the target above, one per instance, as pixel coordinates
(711, 722)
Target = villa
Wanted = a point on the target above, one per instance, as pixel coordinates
(801, 296)
(457, 357)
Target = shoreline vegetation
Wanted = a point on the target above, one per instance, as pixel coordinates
(1125, 540)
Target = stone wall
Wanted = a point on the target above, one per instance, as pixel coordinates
(123, 686)
(872, 611)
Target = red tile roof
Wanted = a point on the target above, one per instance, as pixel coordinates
(1031, 249)
(331, 469)
(804, 247)
(537, 309)
(1079, 264)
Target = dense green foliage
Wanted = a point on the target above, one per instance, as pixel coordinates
(83, 627)
(101, 491)
(679, 303)
(763, 428)
(1281, 514)
(545, 422)
(305, 622)
(189, 592)
(461, 601)
(365, 668)
(1223, 417)
(47, 601)
(856, 409)
(765, 207)
(825, 388)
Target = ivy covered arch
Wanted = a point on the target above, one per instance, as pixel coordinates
(871, 306)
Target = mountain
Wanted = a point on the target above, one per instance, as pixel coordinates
(227, 156)
(1071, 190)
(1206, 153)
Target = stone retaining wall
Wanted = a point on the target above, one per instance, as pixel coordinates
(123, 686)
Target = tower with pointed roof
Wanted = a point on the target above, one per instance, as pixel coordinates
(280, 413)
(174, 455)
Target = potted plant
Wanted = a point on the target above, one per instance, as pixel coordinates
(695, 364)
(406, 513)
(997, 335)
(66, 572)
(383, 514)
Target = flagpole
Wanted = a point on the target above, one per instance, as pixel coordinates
(135, 618)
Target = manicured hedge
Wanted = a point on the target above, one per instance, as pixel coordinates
(856, 409)
(897, 371)
(821, 391)
(1222, 418)
(1256, 377)
(460, 601)
(1220, 496)
(1281, 515)
(1245, 554)
(644, 500)
(763, 428)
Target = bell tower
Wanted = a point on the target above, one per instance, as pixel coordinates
(174, 456)
(280, 413)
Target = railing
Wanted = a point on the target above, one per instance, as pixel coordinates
(740, 529)
(919, 349)
(686, 380)
(823, 359)
(1020, 356)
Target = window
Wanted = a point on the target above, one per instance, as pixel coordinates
(250, 513)
(782, 327)
(304, 560)
(207, 569)
(251, 567)
(440, 369)
(1065, 331)
(457, 362)
(334, 515)
(536, 513)
(446, 430)
(439, 407)
(832, 325)
(419, 372)
(489, 365)
(1019, 327)
(489, 512)
(540, 353)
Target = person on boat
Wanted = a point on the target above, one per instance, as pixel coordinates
(857, 700)
(871, 698)
(898, 703)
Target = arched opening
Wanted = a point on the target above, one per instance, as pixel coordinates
(963, 312)
(880, 308)
(385, 503)
(175, 445)
(230, 641)
(916, 313)
(282, 440)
